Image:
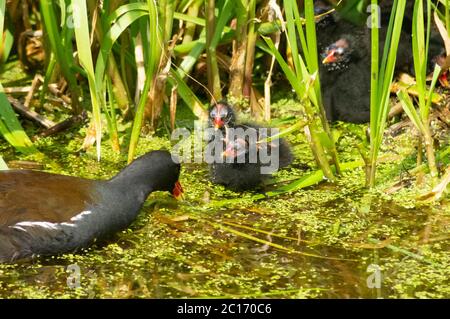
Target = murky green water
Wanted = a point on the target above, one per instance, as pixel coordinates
(311, 243)
(331, 240)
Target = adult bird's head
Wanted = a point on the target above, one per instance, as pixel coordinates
(154, 171)
(221, 115)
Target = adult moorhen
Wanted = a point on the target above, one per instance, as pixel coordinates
(244, 162)
(49, 214)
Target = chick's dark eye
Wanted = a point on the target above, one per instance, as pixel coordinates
(223, 113)
(328, 50)
(213, 113)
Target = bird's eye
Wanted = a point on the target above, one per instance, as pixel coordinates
(340, 50)
(223, 113)
(213, 113)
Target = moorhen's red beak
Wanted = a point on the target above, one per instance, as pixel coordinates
(177, 191)
(443, 79)
(330, 58)
(218, 122)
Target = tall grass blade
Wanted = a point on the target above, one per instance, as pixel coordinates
(119, 25)
(211, 56)
(379, 107)
(81, 28)
(152, 65)
(10, 127)
(63, 56)
(189, 97)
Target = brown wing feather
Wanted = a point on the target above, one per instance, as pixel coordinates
(27, 195)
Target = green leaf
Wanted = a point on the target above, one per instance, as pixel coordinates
(410, 110)
(353, 10)
(120, 25)
(10, 127)
(63, 55)
(325, 140)
(222, 20)
(197, 107)
(297, 85)
(81, 28)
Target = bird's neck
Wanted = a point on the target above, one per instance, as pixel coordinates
(124, 199)
(131, 183)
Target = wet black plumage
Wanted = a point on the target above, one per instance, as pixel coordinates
(49, 214)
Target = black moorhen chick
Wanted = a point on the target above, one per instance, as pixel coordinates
(345, 80)
(236, 173)
(405, 60)
(329, 25)
(221, 115)
(345, 69)
(239, 169)
(49, 214)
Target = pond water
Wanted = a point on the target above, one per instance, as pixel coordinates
(330, 240)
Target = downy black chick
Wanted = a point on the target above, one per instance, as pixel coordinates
(345, 69)
(246, 160)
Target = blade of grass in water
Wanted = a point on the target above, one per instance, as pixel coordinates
(375, 63)
(403, 251)
(295, 127)
(110, 114)
(420, 44)
(47, 77)
(313, 67)
(268, 243)
(256, 230)
(302, 78)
